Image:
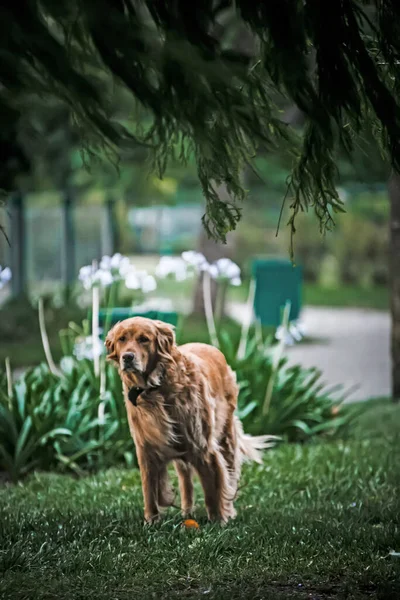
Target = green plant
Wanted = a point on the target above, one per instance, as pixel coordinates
(59, 421)
(278, 399)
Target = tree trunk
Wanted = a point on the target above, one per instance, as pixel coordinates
(394, 257)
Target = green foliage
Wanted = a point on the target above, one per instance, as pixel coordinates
(60, 422)
(53, 422)
(314, 521)
(354, 253)
(278, 399)
(19, 330)
(376, 297)
(209, 75)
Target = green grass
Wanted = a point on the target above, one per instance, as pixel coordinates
(347, 296)
(314, 521)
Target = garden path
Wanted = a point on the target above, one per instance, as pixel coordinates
(350, 346)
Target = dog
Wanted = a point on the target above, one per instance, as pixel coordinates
(181, 402)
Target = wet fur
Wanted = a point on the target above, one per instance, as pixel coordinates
(185, 414)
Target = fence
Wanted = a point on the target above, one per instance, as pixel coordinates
(52, 235)
(50, 242)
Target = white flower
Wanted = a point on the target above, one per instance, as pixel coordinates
(283, 334)
(115, 261)
(112, 268)
(124, 267)
(294, 332)
(223, 269)
(212, 270)
(102, 277)
(301, 328)
(149, 284)
(117, 264)
(85, 275)
(5, 276)
(132, 280)
(195, 259)
(140, 280)
(227, 269)
(91, 278)
(105, 262)
(84, 348)
(172, 266)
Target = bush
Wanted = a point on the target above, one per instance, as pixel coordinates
(61, 422)
(277, 399)
(55, 421)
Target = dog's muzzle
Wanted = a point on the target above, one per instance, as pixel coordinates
(128, 361)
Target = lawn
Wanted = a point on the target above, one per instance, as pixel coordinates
(314, 521)
(347, 296)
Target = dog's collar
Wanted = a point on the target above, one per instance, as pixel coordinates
(134, 394)
(135, 391)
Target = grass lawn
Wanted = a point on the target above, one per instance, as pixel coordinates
(316, 521)
(347, 296)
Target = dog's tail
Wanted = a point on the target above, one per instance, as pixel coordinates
(251, 447)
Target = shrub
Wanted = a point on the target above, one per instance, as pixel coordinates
(55, 421)
(62, 420)
(274, 398)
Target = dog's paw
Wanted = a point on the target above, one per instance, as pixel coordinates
(152, 519)
(220, 519)
(187, 513)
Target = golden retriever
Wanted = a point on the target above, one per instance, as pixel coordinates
(180, 402)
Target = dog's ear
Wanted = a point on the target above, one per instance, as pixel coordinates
(165, 338)
(110, 345)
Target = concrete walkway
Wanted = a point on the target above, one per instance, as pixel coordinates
(350, 347)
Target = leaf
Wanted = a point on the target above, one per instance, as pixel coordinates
(20, 391)
(23, 436)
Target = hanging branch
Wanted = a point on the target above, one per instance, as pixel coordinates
(207, 97)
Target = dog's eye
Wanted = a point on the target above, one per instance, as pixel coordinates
(122, 338)
(143, 339)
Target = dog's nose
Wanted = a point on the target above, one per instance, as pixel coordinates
(128, 358)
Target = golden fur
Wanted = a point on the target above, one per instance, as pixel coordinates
(184, 414)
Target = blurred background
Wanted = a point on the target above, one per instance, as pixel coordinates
(66, 215)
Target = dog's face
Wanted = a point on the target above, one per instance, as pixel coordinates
(138, 344)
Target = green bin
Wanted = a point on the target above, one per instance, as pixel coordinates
(277, 281)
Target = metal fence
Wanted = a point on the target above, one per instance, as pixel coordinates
(49, 242)
(51, 236)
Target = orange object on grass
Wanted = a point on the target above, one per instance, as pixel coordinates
(191, 524)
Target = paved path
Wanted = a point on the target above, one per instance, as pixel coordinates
(352, 347)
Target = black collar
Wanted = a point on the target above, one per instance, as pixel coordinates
(134, 394)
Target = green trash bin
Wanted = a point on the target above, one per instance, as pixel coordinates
(119, 314)
(277, 282)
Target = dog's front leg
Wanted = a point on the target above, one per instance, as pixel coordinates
(149, 473)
